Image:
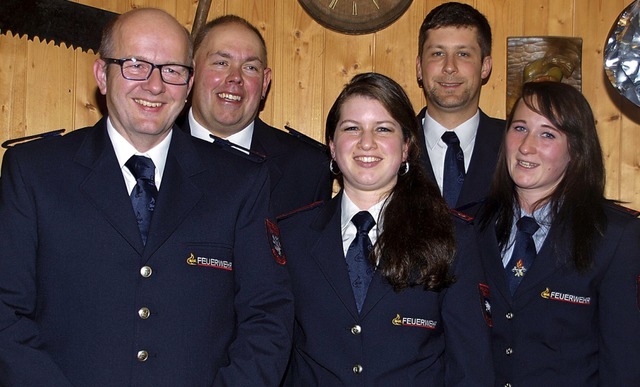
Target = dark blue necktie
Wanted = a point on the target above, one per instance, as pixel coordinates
(453, 173)
(524, 252)
(144, 194)
(360, 269)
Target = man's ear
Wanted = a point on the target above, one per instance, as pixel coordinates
(266, 81)
(100, 74)
(487, 64)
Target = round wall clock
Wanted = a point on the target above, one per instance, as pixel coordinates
(355, 16)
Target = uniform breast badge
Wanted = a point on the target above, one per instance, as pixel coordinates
(519, 270)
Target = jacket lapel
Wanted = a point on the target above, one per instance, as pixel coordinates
(426, 161)
(268, 145)
(177, 195)
(483, 160)
(105, 186)
(378, 288)
(328, 254)
(492, 262)
(547, 263)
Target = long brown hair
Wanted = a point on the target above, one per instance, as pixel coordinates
(577, 203)
(417, 243)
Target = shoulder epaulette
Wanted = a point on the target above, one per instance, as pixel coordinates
(301, 209)
(461, 215)
(304, 138)
(21, 140)
(237, 149)
(626, 210)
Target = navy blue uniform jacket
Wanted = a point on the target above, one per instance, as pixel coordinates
(562, 328)
(477, 180)
(299, 172)
(74, 274)
(408, 338)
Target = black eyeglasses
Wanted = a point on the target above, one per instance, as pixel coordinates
(140, 70)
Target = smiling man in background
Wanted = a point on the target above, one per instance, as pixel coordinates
(460, 143)
(230, 83)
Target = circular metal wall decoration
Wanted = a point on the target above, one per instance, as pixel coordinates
(355, 16)
(622, 53)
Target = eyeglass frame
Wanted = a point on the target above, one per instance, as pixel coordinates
(154, 66)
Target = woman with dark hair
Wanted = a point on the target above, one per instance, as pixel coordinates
(561, 260)
(380, 298)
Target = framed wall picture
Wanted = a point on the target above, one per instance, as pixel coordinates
(537, 58)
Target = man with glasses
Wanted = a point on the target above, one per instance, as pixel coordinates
(135, 69)
(132, 253)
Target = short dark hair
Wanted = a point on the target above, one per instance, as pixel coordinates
(457, 15)
(225, 20)
(417, 243)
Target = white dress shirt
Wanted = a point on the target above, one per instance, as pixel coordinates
(349, 230)
(124, 150)
(242, 138)
(436, 148)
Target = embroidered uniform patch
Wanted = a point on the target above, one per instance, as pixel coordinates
(213, 263)
(551, 295)
(485, 301)
(414, 322)
(273, 235)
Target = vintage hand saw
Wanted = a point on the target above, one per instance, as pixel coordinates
(60, 21)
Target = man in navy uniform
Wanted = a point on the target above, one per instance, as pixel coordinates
(181, 291)
(454, 61)
(230, 83)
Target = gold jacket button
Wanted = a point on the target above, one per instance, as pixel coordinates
(143, 356)
(144, 313)
(146, 271)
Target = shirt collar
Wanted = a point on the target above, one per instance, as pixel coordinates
(242, 138)
(349, 209)
(542, 216)
(466, 131)
(124, 150)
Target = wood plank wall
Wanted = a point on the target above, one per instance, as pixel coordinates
(46, 87)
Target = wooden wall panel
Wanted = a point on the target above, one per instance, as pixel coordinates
(89, 103)
(50, 71)
(46, 87)
(297, 61)
(349, 55)
(13, 63)
(395, 51)
(501, 14)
